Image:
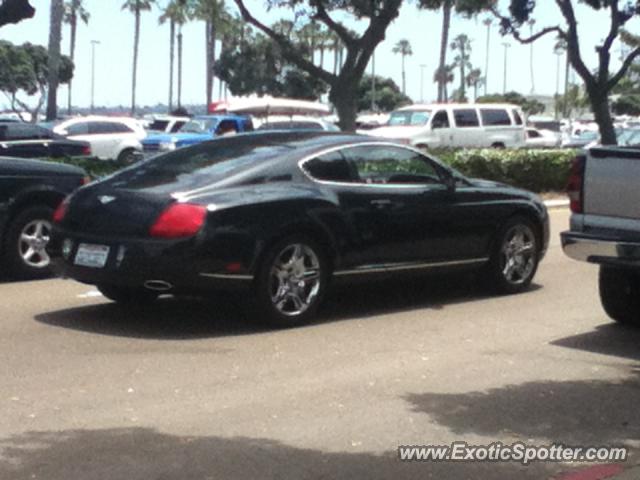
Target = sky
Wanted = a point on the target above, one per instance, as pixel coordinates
(113, 28)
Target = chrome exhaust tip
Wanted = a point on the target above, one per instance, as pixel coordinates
(158, 285)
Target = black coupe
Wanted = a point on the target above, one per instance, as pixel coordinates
(281, 213)
(27, 140)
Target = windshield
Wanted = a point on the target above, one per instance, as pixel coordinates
(409, 118)
(198, 125)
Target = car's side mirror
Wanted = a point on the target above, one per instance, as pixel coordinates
(450, 182)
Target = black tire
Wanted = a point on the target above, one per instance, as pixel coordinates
(127, 295)
(127, 156)
(19, 263)
(620, 294)
(292, 284)
(501, 279)
(498, 145)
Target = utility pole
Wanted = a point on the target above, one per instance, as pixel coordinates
(373, 81)
(93, 72)
(422, 67)
(487, 22)
(506, 46)
(531, 23)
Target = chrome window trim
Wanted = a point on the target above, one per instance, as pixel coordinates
(355, 184)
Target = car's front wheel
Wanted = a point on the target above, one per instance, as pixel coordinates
(620, 294)
(28, 234)
(127, 295)
(515, 257)
(291, 281)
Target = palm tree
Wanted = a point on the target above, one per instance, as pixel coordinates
(136, 7)
(447, 7)
(55, 38)
(475, 80)
(176, 13)
(211, 12)
(73, 10)
(462, 45)
(403, 47)
(444, 76)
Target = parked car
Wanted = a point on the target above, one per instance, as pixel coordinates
(111, 138)
(199, 129)
(165, 124)
(26, 140)
(542, 138)
(455, 125)
(30, 190)
(279, 213)
(605, 225)
(297, 122)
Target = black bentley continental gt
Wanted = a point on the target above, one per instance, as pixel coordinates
(282, 213)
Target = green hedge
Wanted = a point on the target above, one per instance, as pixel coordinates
(538, 170)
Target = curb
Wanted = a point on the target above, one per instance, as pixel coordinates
(556, 203)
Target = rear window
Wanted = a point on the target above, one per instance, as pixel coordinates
(493, 117)
(108, 127)
(20, 131)
(159, 125)
(466, 117)
(199, 165)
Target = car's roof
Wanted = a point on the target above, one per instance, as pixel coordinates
(432, 106)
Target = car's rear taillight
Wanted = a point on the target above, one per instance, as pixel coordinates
(86, 150)
(575, 183)
(61, 211)
(179, 220)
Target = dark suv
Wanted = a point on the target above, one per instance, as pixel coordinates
(30, 190)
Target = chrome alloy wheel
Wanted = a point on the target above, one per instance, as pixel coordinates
(294, 279)
(32, 243)
(518, 254)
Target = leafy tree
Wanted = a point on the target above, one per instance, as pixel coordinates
(627, 104)
(14, 11)
(375, 18)
(136, 7)
(74, 10)
(598, 83)
(24, 70)
(529, 106)
(464, 7)
(55, 39)
(257, 65)
(403, 47)
(388, 94)
(462, 46)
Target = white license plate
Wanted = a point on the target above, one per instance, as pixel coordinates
(94, 256)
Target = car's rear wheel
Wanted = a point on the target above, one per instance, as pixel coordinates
(291, 281)
(127, 157)
(28, 234)
(620, 294)
(515, 257)
(127, 295)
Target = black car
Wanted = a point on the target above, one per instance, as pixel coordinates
(281, 213)
(30, 190)
(26, 140)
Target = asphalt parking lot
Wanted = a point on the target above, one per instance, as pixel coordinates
(194, 390)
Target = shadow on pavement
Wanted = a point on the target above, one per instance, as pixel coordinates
(145, 454)
(589, 412)
(609, 339)
(176, 318)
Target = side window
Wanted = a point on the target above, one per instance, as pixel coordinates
(108, 127)
(117, 127)
(177, 126)
(492, 117)
(330, 167)
(20, 131)
(226, 127)
(391, 165)
(533, 134)
(517, 117)
(440, 120)
(466, 117)
(80, 128)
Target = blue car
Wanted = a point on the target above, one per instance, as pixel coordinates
(199, 129)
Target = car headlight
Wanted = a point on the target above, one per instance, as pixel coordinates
(166, 146)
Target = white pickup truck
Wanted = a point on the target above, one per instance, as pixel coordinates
(604, 190)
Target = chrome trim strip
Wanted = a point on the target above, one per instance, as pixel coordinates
(227, 276)
(367, 144)
(594, 250)
(393, 267)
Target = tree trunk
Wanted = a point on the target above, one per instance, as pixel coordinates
(404, 83)
(444, 41)
(344, 97)
(600, 104)
(55, 37)
(179, 66)
(72, 49)
(172, 41)
(134, 75)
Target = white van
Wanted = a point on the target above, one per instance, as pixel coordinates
(456, 125)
